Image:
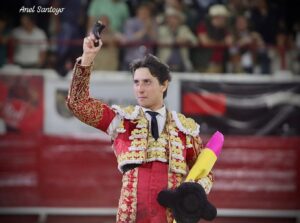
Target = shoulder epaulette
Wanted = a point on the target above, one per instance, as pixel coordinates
(186, 125)
(129, 112)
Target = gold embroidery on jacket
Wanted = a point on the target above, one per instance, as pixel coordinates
(169, 147)
(177, 163)
(206, 183)
(128, 199)
(86, 109)
(174, 180)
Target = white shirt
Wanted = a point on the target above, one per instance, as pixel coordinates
(161, 117)
(161, 120)
(30, 45)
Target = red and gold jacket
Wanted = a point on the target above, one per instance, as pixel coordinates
(179, 143)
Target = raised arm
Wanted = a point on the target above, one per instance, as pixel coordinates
(88, 110)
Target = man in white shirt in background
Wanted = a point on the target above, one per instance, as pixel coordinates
(30, 43)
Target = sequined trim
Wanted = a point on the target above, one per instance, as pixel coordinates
(186, 125)
(121, 128)
(168, 148)
(128, 198)
(174, 180)
(86, 109)
(136, 157)
(89, 112)
(206, 183)
(177, 163)
(196, 146)
(128, 112)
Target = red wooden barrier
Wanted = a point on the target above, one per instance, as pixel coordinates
(252, 172)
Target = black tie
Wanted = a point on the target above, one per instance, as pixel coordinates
(154, 126)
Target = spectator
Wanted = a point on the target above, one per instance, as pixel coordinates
(141, 31)
(177, 38)
(247, 49)
(109, 60)
(238, 7)
(42, 20)
(265, 20)
(116, 10)
(30, 44)
(268, 21)
(67, 27)
(187, 8)
(203, 6)
(214, 35)
(283, 53)
(175, 4)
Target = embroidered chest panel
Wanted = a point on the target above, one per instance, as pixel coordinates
(134, 143)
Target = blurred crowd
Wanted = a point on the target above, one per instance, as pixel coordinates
(207, 36)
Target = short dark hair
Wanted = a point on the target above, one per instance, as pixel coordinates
(157, 68)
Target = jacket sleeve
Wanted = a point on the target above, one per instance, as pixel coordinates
(88, 110)
(192, 155)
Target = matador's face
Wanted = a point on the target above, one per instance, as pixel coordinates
(148, 91)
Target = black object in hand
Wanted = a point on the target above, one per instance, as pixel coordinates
(188, 203)
(97, 29)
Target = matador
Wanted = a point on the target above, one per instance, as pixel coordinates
(154, 147)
